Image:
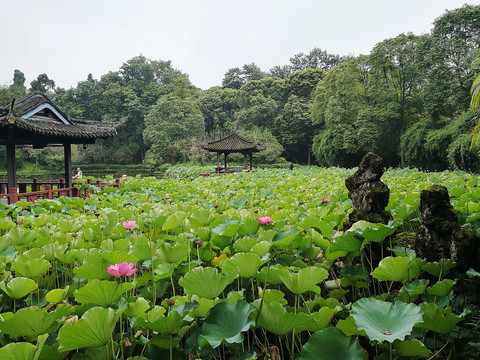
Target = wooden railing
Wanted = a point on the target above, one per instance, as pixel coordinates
(47, 190)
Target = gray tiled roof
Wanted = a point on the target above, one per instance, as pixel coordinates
(233, 142)
(47, 126)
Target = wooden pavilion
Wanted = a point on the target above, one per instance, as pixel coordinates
(233, 143)
(36, 120)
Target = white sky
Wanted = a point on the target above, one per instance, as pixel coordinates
(68, 39)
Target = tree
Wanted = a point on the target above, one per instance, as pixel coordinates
(316, 59)
(174, 119)
(235, 77)
(42, 84)
(18, 78)
(218, 106)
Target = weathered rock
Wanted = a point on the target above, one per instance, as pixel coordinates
(440, 236)
(368, 193)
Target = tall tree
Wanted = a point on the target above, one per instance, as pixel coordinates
(42, 84)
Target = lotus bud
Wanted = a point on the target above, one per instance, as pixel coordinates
(170, 302)
(197, 243)
(127, 343)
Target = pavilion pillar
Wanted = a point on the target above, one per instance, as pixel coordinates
(245, 164)
(11, 166)
(225, 162)
(67, 153)
(218, 162)
(251, 156)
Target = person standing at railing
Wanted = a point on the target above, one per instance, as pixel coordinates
(79, 174)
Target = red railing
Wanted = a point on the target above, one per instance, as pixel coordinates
(42, 190)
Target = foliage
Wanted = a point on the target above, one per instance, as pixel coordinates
(214, 281)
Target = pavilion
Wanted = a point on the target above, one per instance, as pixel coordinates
(36, 120)
(233, 143)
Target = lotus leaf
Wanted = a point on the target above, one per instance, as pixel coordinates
(226, 323)
(137, 309)
(246, 263)
(228, 228)
(101, 292)
(331, 343)
(383, 321)
(275, 318)
(262, 248)
(244, 244)
(349, 328)
(170, 324)
(206, 282)
(440, 268)
(411, 348)
(19, 287)
(200, 217)
(305, 280)
(19, 351)
(172, 254)
(441, 288)
(90, 272)
(284, 239)
(436, 319)
(31, 268)
(174, 221)
(32, 321)
(115, 257)
(18, 236)
(375, 232)
(397, 269)
(417, 287)
(94, 329)
(57, 295)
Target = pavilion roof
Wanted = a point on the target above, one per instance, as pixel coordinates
(36, 116)
(233, 143)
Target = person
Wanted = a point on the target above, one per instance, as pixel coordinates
(291, 165)
(79, 174)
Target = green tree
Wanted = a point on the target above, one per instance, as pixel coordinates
(173, 120)
(42, 84)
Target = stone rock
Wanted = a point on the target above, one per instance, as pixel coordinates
(439, 235)
(368, 193)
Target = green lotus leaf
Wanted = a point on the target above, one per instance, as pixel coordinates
(438, 320)
(349, 328)
(19, 351)
(397, 269)
(262, 248)
(158, 222)
(18, 236)
(331, 343)
(69, 225)
(345, 244)
(94, 329)
(90, 272)
(326, 227)
(417, 287)
(200, 217)
(206, 282)
(31, 269)
(228, 228)
(246, 263)
(143, 251)
(305, 280)
(383, 321)
(472, 273)
(164, 270)
(411, 348)
(275, 318)
(226, 323)
(376, 232)
(271, 274)
(102, 292)
(32, 321)
(115, 257)
(323, 317)
(441, 288)
(172, 254)
(352, 274)
(170, 324)
(244, 244)
(249, 226)
(137, 309)
(273, 295)
(441, 267)
(57, 295)
(19, 287)
(174, 221)
(284, 239)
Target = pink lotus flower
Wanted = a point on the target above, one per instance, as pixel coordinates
(129, 224)
(267, 220)
(124, 177)
(325, 200)
(121, 269)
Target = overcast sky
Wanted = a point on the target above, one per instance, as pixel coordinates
(67, 40)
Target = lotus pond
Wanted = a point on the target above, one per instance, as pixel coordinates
(184, 269)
